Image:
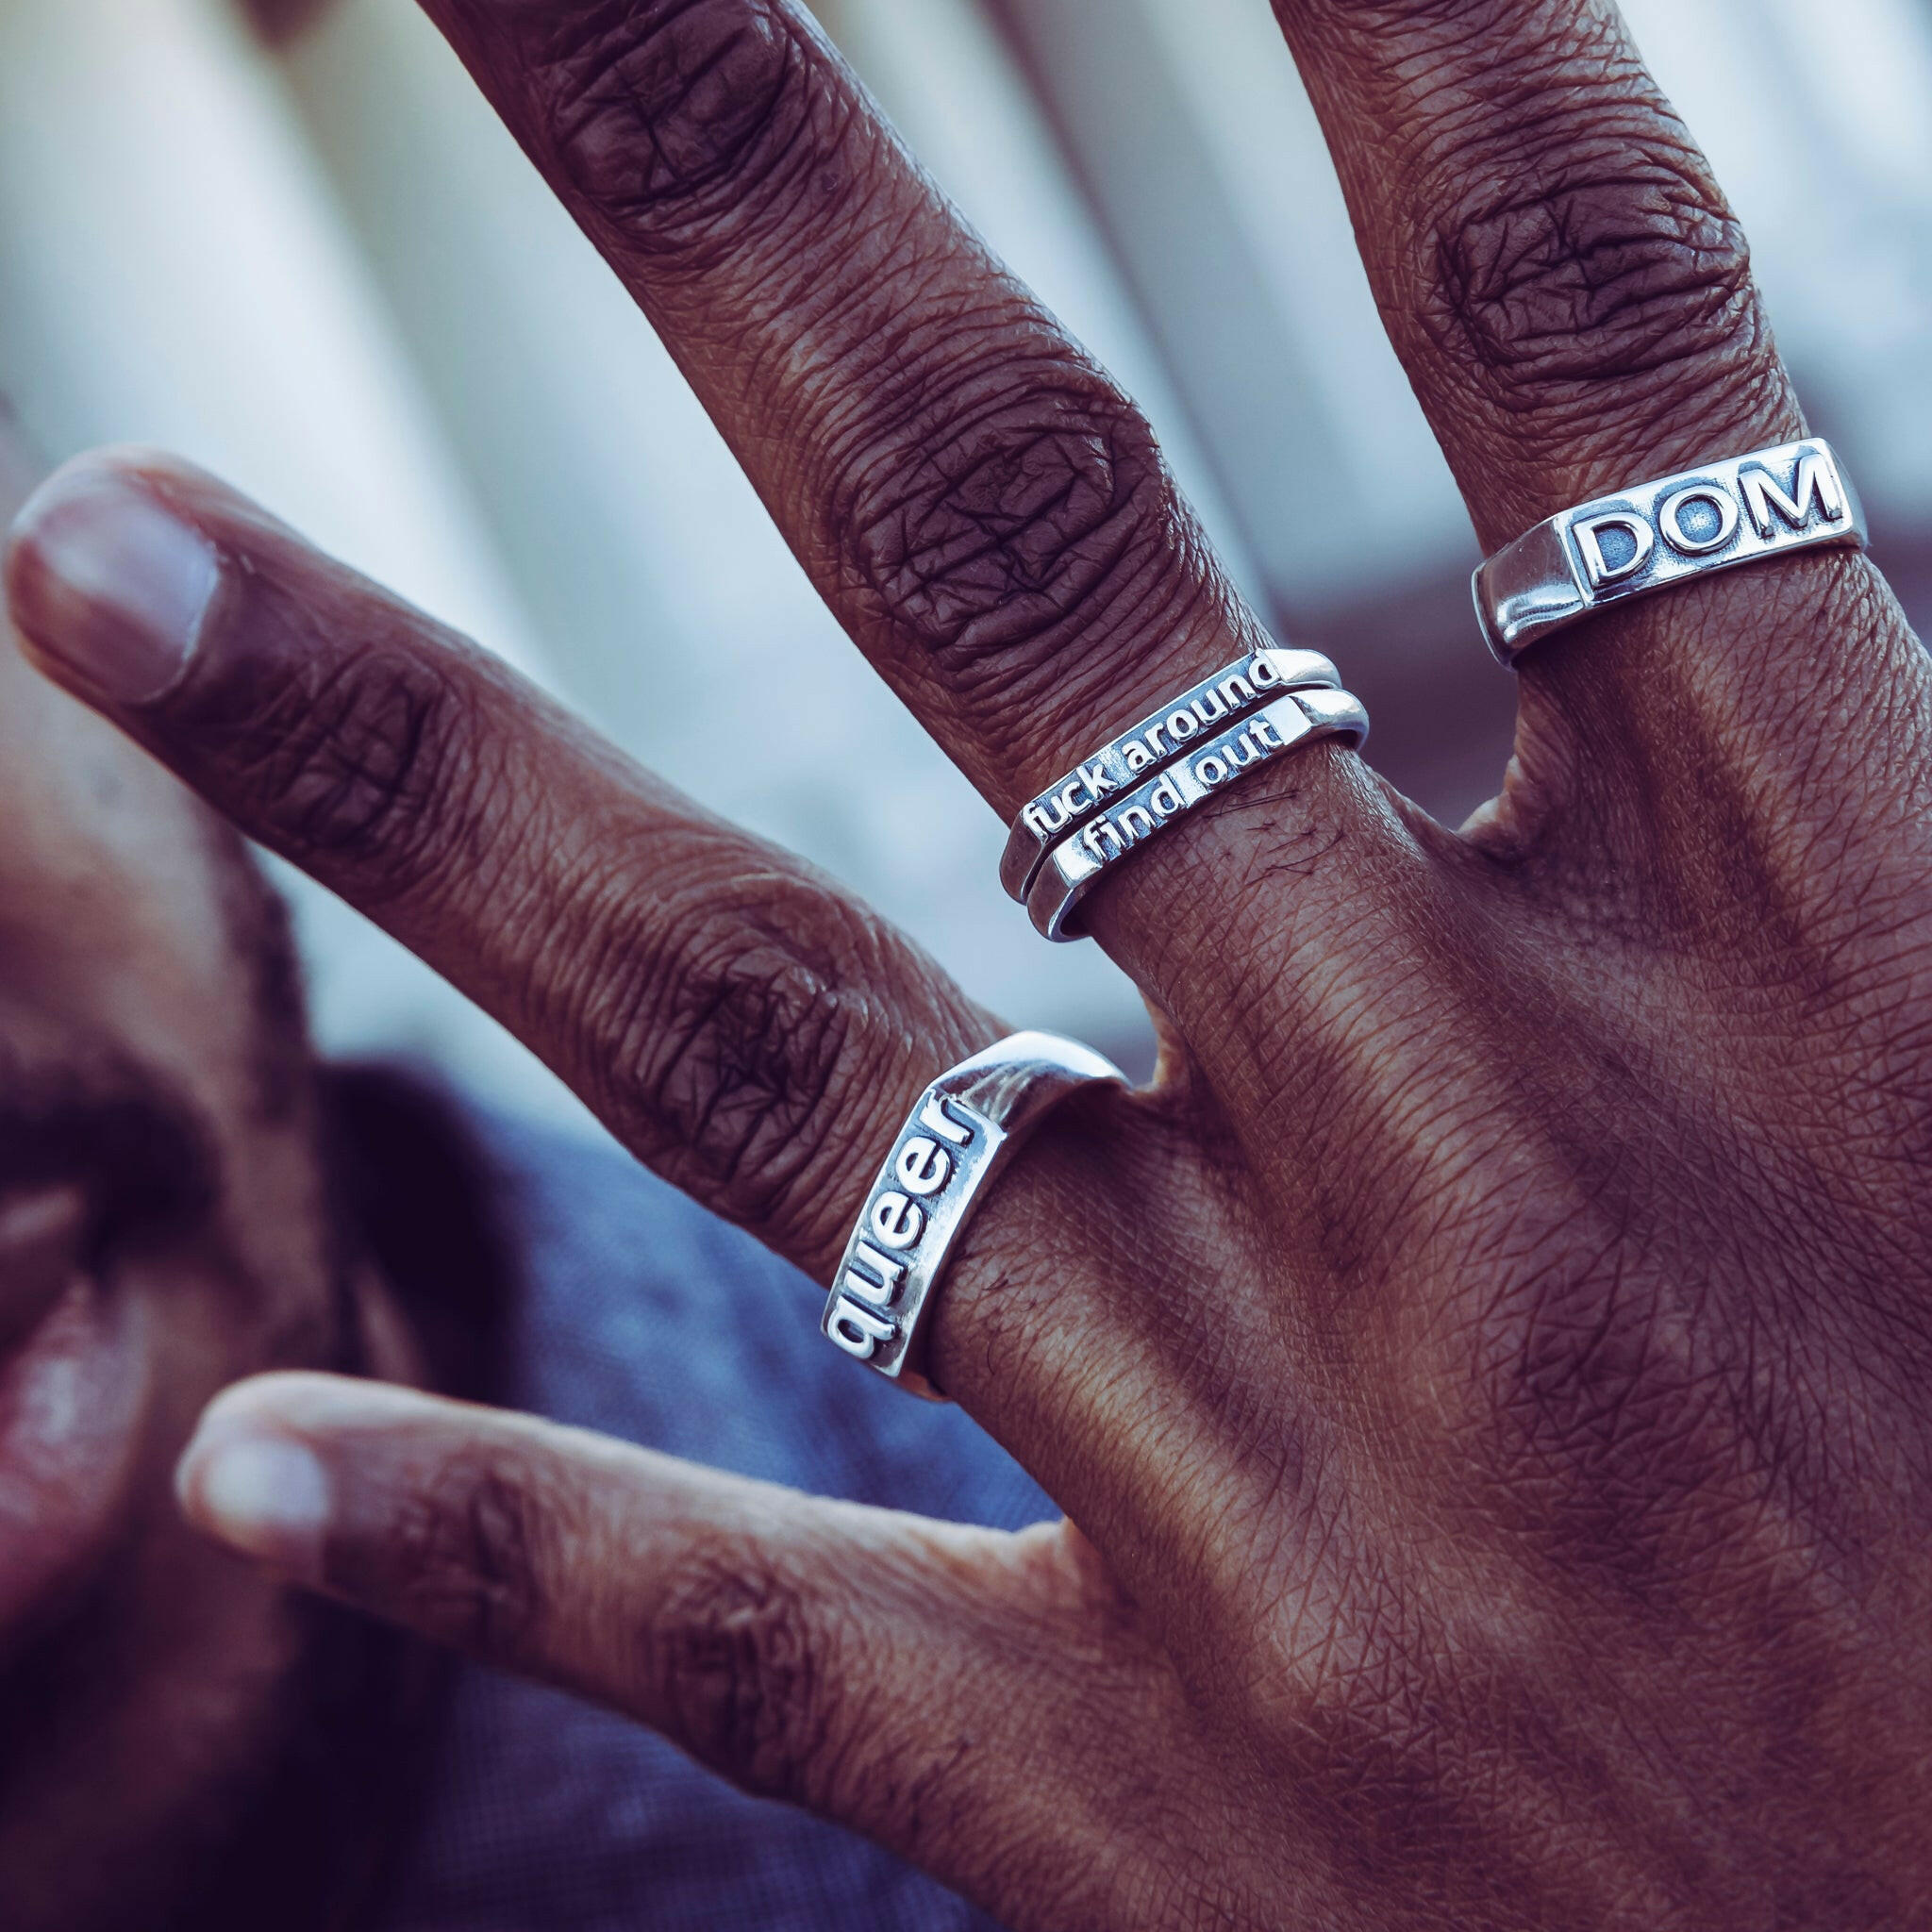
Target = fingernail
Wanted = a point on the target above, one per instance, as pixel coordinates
(266, 1494)
(108, 582)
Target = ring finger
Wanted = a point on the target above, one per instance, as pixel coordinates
(1572, 299)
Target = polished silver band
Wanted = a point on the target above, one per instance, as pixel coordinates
(1794, 497)
(1076, 865)
(967, 1126)
(1070, 802)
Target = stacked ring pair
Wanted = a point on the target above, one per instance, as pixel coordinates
(1155, 773)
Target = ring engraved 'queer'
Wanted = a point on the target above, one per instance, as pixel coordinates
(965, 1129)
(1158, 740)
(1076, 865)
(1794, 497)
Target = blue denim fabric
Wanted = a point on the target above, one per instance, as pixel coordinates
(644, 1317)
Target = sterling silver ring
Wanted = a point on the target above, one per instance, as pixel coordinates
(966, 1128)
(1158, 740)
(1793, 497)
(1076, 865)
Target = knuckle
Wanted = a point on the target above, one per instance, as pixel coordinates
(998, 523)
(723, 1039)
(736, 1658)
(458, 1559)
(352, 764)
(1631, 267)
(658, 112)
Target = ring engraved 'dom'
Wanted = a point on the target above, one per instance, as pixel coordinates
(1793, 497)
(1081, 795)
(1076, 865)
(967, 1126)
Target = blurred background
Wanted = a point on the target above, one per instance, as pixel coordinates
(288, 241)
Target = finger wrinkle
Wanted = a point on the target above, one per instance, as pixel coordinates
(649, 108)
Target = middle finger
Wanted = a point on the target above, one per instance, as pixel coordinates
(983, 510)
(978, 501)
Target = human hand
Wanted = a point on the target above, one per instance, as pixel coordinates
(1487, 1369)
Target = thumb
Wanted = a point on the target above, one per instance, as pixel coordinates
(955, 1693)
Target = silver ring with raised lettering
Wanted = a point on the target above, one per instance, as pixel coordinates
(1076, 865)
(966, 1128)
(1158, 738)
(1793, 497)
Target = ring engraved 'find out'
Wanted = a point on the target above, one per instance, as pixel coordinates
(1793, 497)
(965, 1129)
(1081, 795)
(1076, 865)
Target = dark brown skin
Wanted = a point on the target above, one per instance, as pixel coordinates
(1487, 1369)
(165, 1227)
